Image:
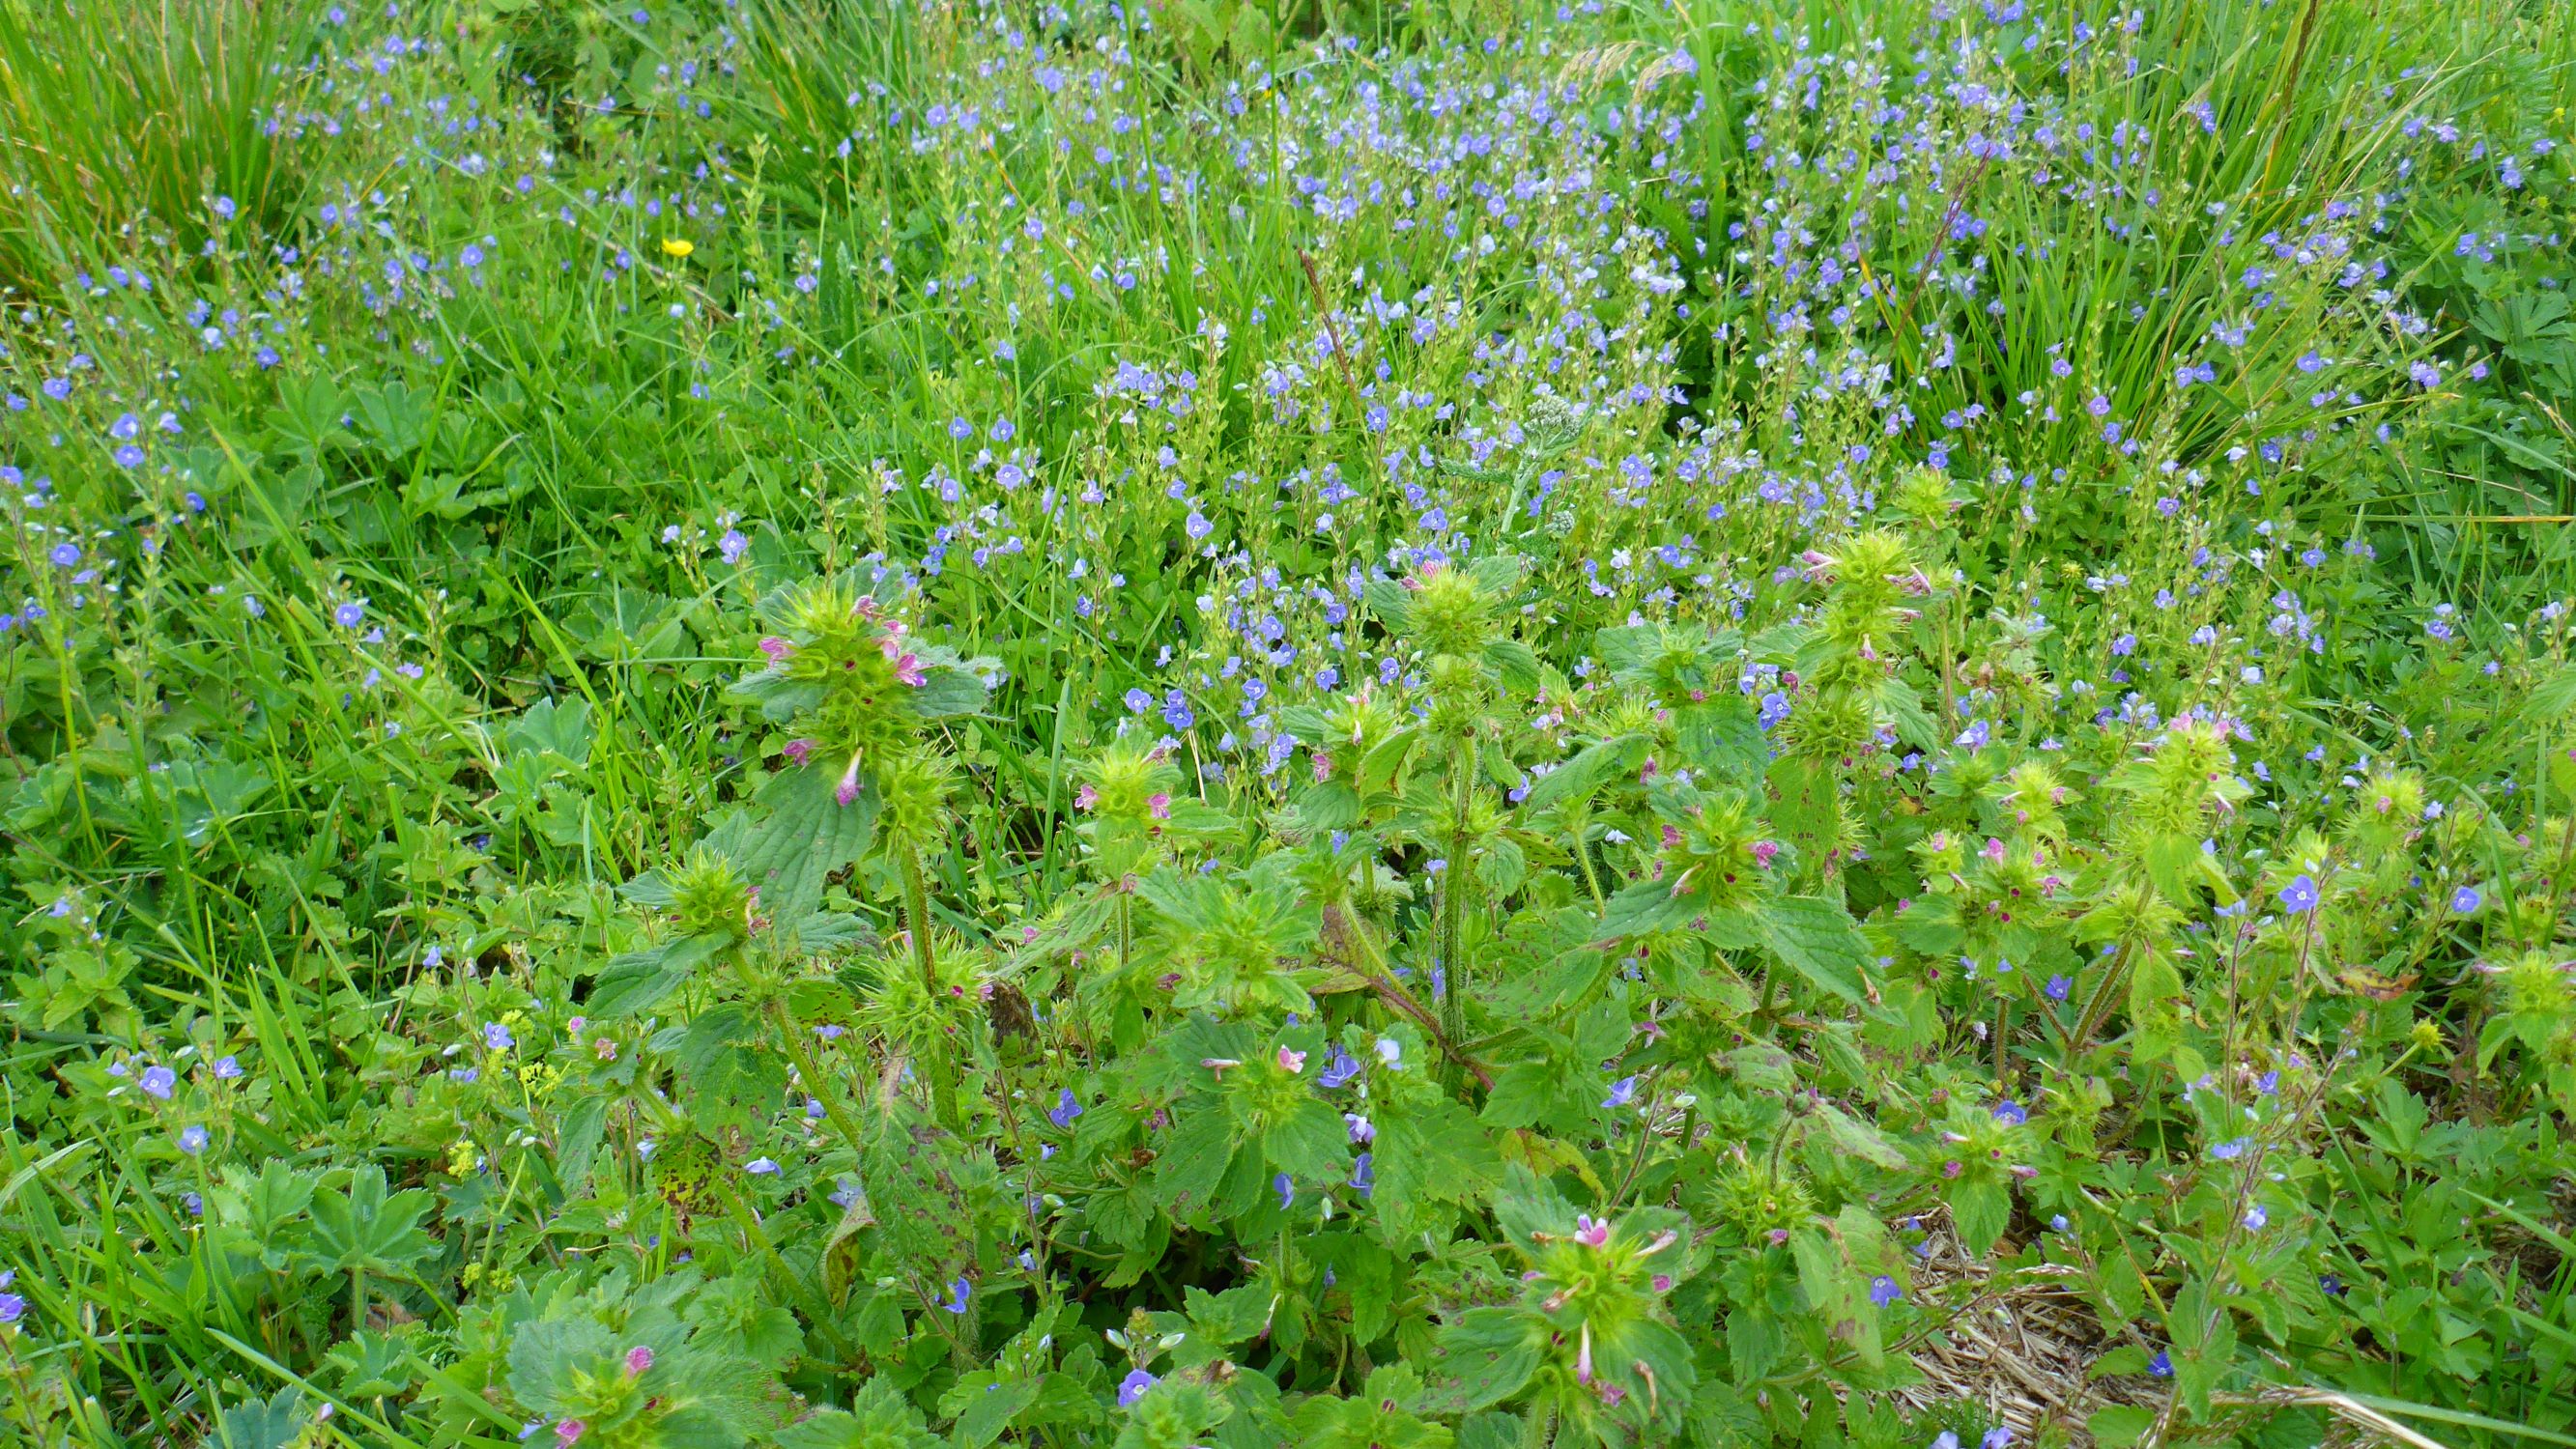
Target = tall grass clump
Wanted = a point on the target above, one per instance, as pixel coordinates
(159, 116)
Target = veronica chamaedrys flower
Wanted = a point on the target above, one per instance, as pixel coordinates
(1339, 1071)
(761, 1166)
(1066, 1108)
(496, 1037)
(1883, 1290)
(1364, 1174)
(228, 1069)
(957, 1292)
(2010, 1113)
(2466, 900)
(1286, 1187)
(1622, 1092)
(1133, 1387)
(157, 1082)
(2300, 895)
(351, 614)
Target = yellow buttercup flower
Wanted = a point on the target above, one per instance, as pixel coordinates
(674, 246)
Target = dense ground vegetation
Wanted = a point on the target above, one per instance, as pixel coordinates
(824, 723)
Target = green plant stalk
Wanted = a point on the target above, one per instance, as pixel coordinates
(1453, 900)
(935, 1063)
(2099, 1006)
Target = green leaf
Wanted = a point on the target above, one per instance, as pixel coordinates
(1579, 776)
(804, 835)
(271, 1423)
(844, 1250)
(1485, 1358)
(632, 983)
(1817, 939)
(363, 1227)
(1981, 1210)
(1855, 1138)
(984, 1404)
(577, 1143)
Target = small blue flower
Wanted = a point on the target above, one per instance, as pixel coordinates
(2010, 1113)
(957, 1292)
(1622, 1092)
(762, 1167)
(1066, 1108)
(157, 1082)
(496, 1037)
(1133, 1387)
(2255, 1218)
(2466, 900)
(1883, 1290)
(2161, 1365)
(2060, 987)
(2299, 896)
(1339, 1072)
(351, 614)
(192, 1139)
(65, 555)
(1138, 701)
(1364, 1174)
(1287, 1190)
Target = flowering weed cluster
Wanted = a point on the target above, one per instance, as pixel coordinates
(818, 723)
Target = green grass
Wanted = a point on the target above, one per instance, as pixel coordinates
(1546, 457)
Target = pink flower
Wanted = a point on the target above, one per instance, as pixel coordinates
(1159, 804)
(569, 1432)
(1291, 1062)
(848, 789)
(1323, 767)
(1763, 852)
(1583, 1356)
(1672, 838)
(639, 1361)
(1086, 798)
(777, 649)
(1591, 1232)
(799, 751)
(908, 669)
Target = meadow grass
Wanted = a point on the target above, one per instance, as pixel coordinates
(830, 722)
